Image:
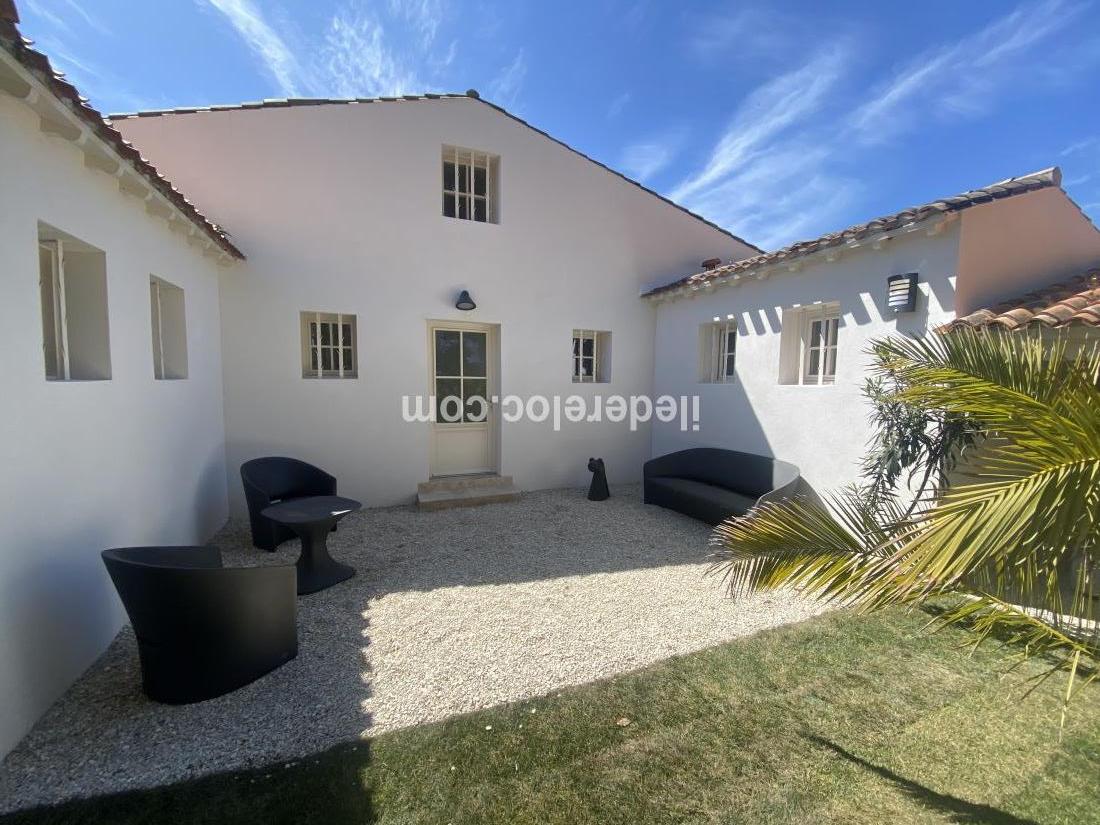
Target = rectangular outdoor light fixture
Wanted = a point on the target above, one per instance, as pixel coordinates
(901, 292)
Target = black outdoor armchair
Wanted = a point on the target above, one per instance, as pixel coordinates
(273, 479)
(203, 629)
(711, 484)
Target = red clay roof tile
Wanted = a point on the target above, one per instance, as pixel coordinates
(1076, 301)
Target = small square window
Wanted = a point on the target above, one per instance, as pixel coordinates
(718, 351)
(329, 346)
(169, 330)
(470, 185)
(591, 356)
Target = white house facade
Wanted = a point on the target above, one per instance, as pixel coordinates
(382, 252)
(342, 210)
(111, 424)
(800, 320)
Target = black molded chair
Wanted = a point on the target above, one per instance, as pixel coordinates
(203, 629)
(273, 479)
(712, 484)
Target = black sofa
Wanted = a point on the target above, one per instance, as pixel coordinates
(273, 479)
(712, 484)
(203, 629)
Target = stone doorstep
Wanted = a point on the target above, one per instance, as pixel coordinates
(465, 491)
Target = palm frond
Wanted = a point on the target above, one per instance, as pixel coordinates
(1018, 530)
(825, 549)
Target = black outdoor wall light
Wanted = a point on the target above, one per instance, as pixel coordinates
(465, 302)
(901, 292)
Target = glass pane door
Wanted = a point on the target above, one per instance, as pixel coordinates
(461, 376)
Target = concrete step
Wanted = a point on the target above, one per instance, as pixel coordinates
(465, 491)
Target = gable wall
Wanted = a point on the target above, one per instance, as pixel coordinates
(1011, 247)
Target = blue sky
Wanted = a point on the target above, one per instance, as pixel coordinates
(779, 121)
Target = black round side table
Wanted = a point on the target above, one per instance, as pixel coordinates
(312, 518)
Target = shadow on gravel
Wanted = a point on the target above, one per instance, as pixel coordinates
(104, 734)
(327, 788)
(955, 809)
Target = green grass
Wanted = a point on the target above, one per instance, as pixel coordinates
(843, 719)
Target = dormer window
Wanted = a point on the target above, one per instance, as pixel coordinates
(470, 185)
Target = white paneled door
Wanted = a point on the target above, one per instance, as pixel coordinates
(463, 359)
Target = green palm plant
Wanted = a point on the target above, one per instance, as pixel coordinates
(1016, 537)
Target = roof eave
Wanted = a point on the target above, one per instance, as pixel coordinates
(760, 267)
(27, 75)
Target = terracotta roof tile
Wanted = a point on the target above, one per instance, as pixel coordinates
(913, 214)
(39, 66)
(1076, 301)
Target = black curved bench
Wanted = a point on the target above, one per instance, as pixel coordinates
(273, 479)
(203, 629)
(711, 484)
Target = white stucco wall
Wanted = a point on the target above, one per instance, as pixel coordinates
(822, 429)
(89, 465)
(338, 209)
(1011, 247)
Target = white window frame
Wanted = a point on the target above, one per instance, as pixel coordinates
(470, 160)
(579, 337)
(829, 319)
(312, 346)
(158, 331)
(59, 370)
(165, 368)
(718, 361)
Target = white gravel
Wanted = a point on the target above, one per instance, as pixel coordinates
(450, 611)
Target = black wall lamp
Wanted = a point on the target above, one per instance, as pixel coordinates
(901, 292)
(465, 302)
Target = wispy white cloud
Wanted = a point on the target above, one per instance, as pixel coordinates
(355, 55)
(425, 16)
(48, 15)
(785, 193)
(90, 21)
(505, 87)
(645, 159)
(765, 115)
(443, 60)
(1079, 146)
(357, 60)
(742, 32)
(963, 77)
(617, 105)
(265, 42)
(776, 174)
(638, 15)
(105, 89)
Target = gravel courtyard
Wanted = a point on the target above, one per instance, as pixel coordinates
(450, 611)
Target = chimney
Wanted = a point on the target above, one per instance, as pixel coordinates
(711, 263)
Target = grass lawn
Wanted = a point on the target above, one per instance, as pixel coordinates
(841, 719)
